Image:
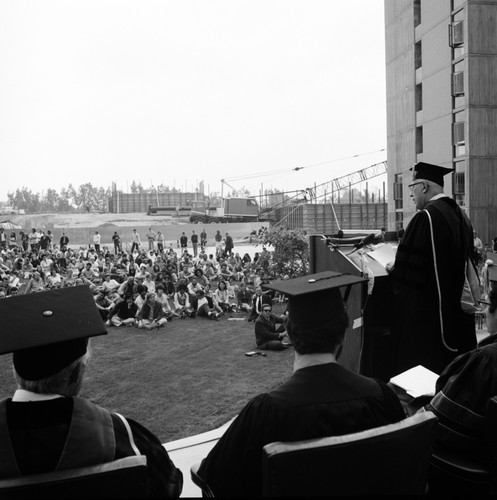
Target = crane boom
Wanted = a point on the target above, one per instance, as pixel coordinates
(337, 184)
(223, 181)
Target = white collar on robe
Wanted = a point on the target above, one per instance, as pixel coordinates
(305, 360)
(23, 396)
(438, 196)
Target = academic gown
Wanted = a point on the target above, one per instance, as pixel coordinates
(317, 401)
(464, 389)
(425, 330)
(39, 432)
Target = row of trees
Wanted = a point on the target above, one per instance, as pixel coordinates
(137, 188)
(85, 198)
(89, 198)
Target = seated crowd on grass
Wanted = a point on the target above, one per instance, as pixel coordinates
(145, 287)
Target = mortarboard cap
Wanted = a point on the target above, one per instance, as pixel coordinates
(316, 298)
(429, 172)
(47, 331)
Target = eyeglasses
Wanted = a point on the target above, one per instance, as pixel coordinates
(267, 310)
(410, 186)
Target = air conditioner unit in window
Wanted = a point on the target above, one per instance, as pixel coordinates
(456, 34)
(458, 83)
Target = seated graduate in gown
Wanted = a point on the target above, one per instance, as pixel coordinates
(46, 426)
(321, 398)
(465, 387)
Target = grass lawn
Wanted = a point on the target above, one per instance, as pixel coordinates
(186, 378)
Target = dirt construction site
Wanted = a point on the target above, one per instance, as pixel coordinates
(80, 227)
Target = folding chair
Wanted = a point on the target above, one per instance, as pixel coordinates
(388, 460)
(454, 471)
(123, 478)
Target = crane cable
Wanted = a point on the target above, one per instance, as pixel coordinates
(296, 169)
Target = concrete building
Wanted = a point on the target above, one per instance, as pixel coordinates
(441, 73)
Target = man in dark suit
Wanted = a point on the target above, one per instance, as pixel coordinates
(267, 335)
(228, 241)
(183, 241)
(258, 300)
(64, 241)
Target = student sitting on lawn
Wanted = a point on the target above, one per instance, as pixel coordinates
(221, 298)
(124, 313)
(163, 300)
(203, 307)
(244, 298)
(151, 314)
(182, 304)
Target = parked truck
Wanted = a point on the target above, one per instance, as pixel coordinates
(232, 210)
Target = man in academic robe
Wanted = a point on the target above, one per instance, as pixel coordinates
(320, 399)
(45, 426)
(430, 327)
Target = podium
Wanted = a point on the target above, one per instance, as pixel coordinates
(369, 350)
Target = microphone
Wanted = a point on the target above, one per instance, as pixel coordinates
(367, 240)
(329, 242)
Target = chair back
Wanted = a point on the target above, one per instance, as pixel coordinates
(489, 454)
(392, 459)
(467, 464)
(123, 478)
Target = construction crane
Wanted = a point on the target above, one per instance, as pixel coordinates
(223, 182)
(321, 190)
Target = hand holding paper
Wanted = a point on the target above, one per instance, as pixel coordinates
(417, 381)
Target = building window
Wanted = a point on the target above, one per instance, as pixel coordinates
(418, 97)
(458, 136)
(398, 194)
(419, 140)
(417, 12)
(456, 34)
(418, 60)
(458, 83)
(458, 184)
(459, 178)
(458, 133)
(399, 220)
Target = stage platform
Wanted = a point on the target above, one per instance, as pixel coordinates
(188, 451)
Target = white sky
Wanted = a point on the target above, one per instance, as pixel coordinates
(184, 91)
